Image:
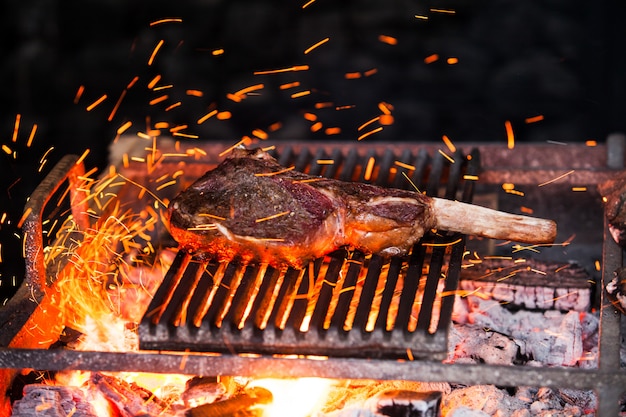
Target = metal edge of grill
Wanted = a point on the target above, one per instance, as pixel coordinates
(328, 308)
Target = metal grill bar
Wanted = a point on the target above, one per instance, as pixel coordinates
(344, 304)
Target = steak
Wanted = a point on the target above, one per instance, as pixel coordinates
(252, 209)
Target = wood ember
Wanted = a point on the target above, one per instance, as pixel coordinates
(248, 403)
(203, 390)
(41, 400)
(128, 399)
(531, 284)
(525, 401)
(550, 338)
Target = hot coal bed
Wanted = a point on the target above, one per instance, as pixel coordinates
(460, 324)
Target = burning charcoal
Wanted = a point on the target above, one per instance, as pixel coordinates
(466, 412)
(616, 290)
(247, 404)
(52, 401)
(128, 399)
(403, 403)
(203, 390)
(532, 284)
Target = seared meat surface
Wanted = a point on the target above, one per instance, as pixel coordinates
(250, 208)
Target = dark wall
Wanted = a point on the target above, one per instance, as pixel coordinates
(560, 59)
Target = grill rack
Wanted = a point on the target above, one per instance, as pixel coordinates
(345, 304)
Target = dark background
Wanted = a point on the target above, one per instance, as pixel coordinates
(562, 59)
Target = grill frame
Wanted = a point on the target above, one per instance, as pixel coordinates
(592, 166)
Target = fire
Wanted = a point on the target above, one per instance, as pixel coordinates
(295, 397)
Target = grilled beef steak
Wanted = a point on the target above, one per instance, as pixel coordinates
(252, 209)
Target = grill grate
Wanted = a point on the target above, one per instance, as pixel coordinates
(345, 304)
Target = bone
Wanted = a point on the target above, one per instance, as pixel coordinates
(476, 220)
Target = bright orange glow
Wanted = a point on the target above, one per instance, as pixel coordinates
(389, 40)
(508, 186)
(369, 168)
(178, 128)
(289, 85)
(132, 82)
(158, 100)
(249, 89)
(316, 126)
(431, 58)
(275, 126)
(301, 94)
(32, 135)
(195, 93)
(310, 117)
(123, 128)
(352, 75)
(534, 119)
(168, 20)
(445, 11)
(386, 119)
(369, 122)
(333, 131)
(526, 210)
(96, 103)
(305, 5)
(234, 97)
(289, 69)
(207, 116)
(16, 127)
(260, 134)
(154, 81)
(449, 144)
(224, 115)
(79, 94)
(452, 61)
(308, 393)
(173, 106)
(117, 105)
(510, 137)
(312, 47)
(155, 51)
(6, 149)
(591, 143)
(371, 132)
(161, 125)
(82, 157)
(579, 189)
(370, 72)
(386, 108)
(323, 105)
(217, 52)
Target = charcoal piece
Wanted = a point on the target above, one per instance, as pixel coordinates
(530, 284)
(405, 403)
(128, 399)
(203, 390)
(41, 400)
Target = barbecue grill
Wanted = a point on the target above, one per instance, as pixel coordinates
(247, 320)
(206, 306)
